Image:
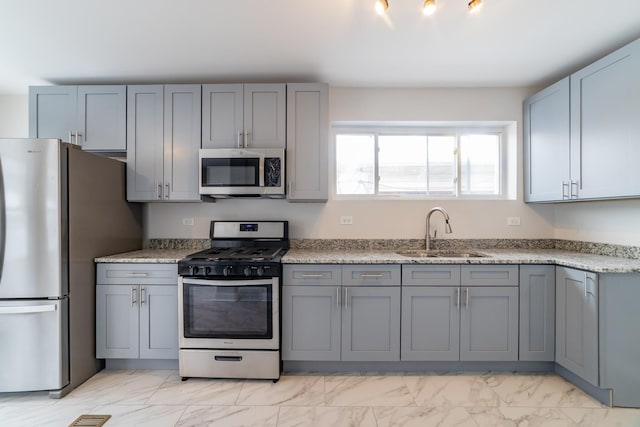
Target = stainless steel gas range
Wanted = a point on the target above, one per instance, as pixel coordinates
(229, 302)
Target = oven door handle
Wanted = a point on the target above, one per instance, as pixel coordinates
(218, 282)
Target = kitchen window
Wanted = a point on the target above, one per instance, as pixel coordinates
(419, 163)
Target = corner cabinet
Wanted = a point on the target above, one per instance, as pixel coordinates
(581, 133)
(93, 117)
(577, 322)
(547, 144)
(137, 311)
(163, 126)
(244, 116)
(307, 142)
(537, 312)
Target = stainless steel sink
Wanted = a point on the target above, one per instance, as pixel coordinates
(421, 253)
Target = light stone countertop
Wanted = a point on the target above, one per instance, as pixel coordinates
(596, 263)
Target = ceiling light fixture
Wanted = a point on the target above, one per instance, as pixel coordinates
(429, 7)
(474, 5)
(381, 6)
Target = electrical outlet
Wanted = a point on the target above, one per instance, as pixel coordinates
(513, 220)
(346, 220)
(187, 221)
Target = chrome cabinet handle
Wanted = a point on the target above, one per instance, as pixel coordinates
(457, 298)
(77, 135)
(586, 286)
(371, 276)
(346, 297)
(239, 141)
(70, 137)
(312, 276)
(571, 193)
(142, 296)
(159, 191)
(246, 139)
(136, 274)
(466, 298)
(565, 194)
(166, 194)
(338, 298)
(133, 295)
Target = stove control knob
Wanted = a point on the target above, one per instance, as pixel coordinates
(207, 271)
(227, 271)
(194, 270)
(260, 271)
(247, 271)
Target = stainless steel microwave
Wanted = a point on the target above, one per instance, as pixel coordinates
(242, 172)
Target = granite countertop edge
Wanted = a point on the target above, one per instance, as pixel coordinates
(595, 263)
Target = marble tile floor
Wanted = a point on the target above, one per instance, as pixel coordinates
(160, 398)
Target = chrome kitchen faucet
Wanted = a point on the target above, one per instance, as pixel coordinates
(447, 226)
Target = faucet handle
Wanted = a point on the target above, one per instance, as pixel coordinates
(435, 233)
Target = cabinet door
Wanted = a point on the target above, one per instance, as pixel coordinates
(182, 128)
(145, 143)
(102, 118)
(307, 142)
(605, 105)
(158, 322)
(537, 312)
(52, 111)
(310, 323)
(430, 323)
(489, 324)
(370, 324)
(265, 116)
(577, 322)
(117, 321)
(546, 144)
(222, 116)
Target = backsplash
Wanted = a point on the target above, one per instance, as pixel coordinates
(631, 252)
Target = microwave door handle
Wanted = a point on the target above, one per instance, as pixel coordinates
(261, 173)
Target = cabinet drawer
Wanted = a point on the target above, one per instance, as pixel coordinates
(311, 274)
(431, 275)
(489, 275)
(124, 274)
(368, 275)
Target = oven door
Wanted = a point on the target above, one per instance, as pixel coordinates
(225, 313)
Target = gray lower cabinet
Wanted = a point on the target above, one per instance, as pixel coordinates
(307, 142)
(467, 313)
(537, 312)
(93, 117)
(163, 126)
(137, 311)
(577, 322)
(333, 312)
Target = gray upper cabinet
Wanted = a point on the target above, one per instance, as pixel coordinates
(307, 142)
(244, 116)
(163, 126)
(93, 117)
(605, 126)
(581, 134)
(537, 312)
(546, 144)
(577, 322)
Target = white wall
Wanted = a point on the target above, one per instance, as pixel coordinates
(14, 116)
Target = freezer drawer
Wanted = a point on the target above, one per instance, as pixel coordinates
(37, 358)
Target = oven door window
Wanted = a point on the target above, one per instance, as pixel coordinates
(231, 172)
(228, 311)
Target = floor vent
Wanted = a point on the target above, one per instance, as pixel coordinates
(90, 421)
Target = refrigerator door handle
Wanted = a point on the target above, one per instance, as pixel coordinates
(3, 220)
(24, 309)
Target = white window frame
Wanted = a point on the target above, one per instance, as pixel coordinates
(457, 129)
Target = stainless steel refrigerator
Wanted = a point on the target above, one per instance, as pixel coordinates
(60, 207)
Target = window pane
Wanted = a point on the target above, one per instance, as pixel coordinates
(442, 164)
(402, 163)
(355, 160)
(480, 164)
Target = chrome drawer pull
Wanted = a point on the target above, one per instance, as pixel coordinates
(312, 276)
(371, 276)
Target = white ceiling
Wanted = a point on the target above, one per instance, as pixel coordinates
(342, 42)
